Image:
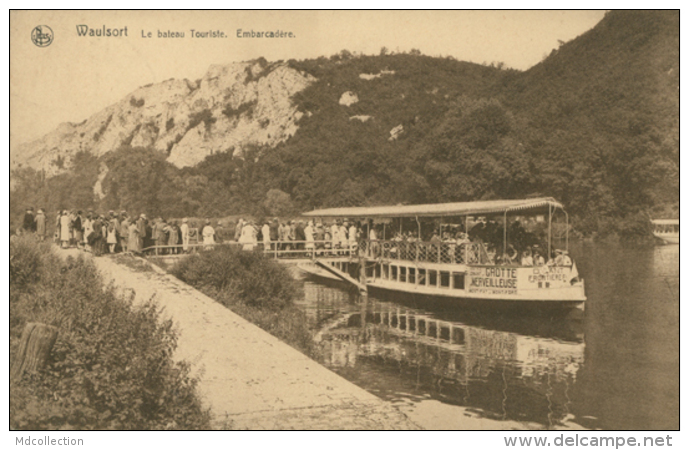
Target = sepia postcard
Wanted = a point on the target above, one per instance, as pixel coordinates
(345, 220)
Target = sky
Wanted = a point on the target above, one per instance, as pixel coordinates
(77, 76)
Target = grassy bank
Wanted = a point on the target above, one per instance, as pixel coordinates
(258, 289)
(111, 366)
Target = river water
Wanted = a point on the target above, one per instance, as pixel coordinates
(614, 367)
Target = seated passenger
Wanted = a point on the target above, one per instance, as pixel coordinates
(527, 259)
(538, 258)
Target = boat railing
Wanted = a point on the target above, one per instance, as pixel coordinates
(429, 252)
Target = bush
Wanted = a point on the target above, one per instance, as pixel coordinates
(248, 277)
(259, 289)
(111, 367)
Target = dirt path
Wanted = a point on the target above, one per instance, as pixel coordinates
(250, 379)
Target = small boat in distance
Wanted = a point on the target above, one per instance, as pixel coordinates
(666, 229)
(453, 250)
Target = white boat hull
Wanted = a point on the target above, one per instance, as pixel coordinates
(527, 285)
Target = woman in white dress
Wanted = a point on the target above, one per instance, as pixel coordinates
(208, 234)
(112, 236)
(65, 232)
(248, 237)
(265, 232)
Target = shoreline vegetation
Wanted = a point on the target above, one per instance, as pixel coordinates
(256, 288)
(111, 367)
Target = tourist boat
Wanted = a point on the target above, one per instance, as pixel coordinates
(667, 230)
(458, 270)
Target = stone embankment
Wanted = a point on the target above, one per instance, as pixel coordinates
(248, 378)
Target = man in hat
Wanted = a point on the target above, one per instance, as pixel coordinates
(159, 234)
(300, 235)
(29, 223)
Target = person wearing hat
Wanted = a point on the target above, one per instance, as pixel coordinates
(65, 232)
(78, 229)
(353, 236)
(141, 227)
(111, 234)
(274, 233)
(133, 241)
(343, 235)
(208, 234)
(40, 225)
(319, 236)
(309, 232)
(123, 231)
(557, 259)
(184, 231)
(87, 225)
(172, 231)
(249, 236)
(527, 259)
(283, 235)
(265, 236)
(29, 223)
(335, 235)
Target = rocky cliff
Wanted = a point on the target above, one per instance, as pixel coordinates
(230, 107)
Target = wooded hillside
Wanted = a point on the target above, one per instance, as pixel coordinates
(596, 125)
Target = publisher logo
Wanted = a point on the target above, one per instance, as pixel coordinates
(42, 36)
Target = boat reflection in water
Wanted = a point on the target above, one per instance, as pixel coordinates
(465, 366)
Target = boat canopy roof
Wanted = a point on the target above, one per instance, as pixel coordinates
(440, 209)
(665, 221)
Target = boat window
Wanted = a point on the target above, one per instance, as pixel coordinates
(458, 280)
(433, 278)
(412, 323)
(393, 273)
(403, 322)
(422, 327)
(378, 270)
(386, 271)
(458, 336)
(432, 329)
(369, 272)
(422, 276)
(412, 275)
(403, 274)
(445, 333)
(444, 279)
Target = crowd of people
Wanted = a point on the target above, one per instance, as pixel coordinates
(110, 233)
(119, 232)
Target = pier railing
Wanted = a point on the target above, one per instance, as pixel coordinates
(275, 249)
